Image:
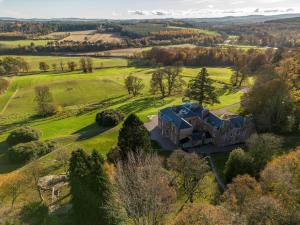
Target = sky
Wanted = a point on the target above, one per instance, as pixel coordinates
(139, 9)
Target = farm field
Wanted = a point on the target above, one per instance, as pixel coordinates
(202, 31)
(14, 44)
(101, 62)
(90, 36)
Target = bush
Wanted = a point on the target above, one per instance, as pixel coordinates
(23, 135)
(109, 118)
(25, 152)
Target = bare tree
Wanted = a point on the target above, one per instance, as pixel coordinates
(190, 169)
(62, 65)
(143, 189)
(13, 190)
(63, 157)
(35, 171)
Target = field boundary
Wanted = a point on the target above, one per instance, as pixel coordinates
(9, 100)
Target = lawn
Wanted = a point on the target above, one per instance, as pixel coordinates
(103, 89)
(14, 44)
(50, 60)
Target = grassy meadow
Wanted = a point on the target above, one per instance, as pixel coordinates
(50, 60)
(22, 43)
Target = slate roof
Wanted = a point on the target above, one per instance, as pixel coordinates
(214, 121)
(236, 122)
(169, 115)
(178, 114)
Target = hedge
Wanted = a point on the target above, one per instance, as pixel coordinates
(23, 135)
(25, 152)
(109, 118)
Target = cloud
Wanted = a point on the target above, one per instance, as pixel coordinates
(210, 12)
(138, 12)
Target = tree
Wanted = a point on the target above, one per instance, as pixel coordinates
(262, 147)
(173, 75)
(167, 80)
(143, 189)
(35, 171)
(201, 89)
(240, 193)
(203, 214)
(190, 169)
(72, 66)
(238, 163)
(89, 63)
(266, 210)
(134, 85)
(54, 66)
(86, 64)
(13, 188)
(157, 83)
(280, 179)
(44, 66)
(62, 64)
(133, 136)
(90, 190)
(4, 83)
(270, 103)
(109, 118)
(63, 158)
(83, 65)
(44, 100)
(23, 135)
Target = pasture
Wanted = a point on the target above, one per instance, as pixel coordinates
(75, 91)
(89, 36)
(22, 43)
(50, 60)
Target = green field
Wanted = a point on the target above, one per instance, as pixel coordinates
(14, 44)
(98, 62)
(102, 89)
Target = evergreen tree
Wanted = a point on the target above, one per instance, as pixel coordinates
(78, 176)
(133, 136)
(91, 190)
(201, 89)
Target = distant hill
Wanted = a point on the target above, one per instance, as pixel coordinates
(228, 19)
(295, 20)
(243, 19)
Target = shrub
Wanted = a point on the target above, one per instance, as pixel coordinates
(23, 135)
(25, 152)
(109, 118)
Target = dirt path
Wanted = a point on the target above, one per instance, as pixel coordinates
(214, 170)
(9, 100)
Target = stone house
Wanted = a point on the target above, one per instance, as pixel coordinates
(190, 125)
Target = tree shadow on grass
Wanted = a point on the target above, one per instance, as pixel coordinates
(90, 131)
(5, 165)
(143, 104)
